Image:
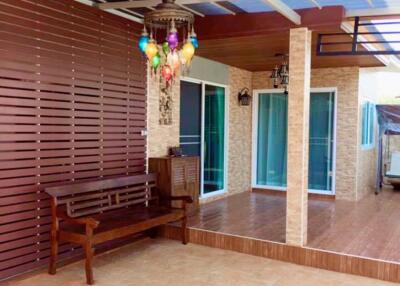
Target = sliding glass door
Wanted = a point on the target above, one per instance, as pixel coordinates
(203, 130)
(214, 139)
(270, 141)
(321, 141)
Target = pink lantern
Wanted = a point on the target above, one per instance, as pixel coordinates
(167, 73)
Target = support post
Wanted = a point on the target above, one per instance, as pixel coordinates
(298, 136)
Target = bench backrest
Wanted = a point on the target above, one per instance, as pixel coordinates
(82, 199)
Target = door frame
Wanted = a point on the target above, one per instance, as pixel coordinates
(256, 94)
(203, 84)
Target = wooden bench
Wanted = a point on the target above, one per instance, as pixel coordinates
(91, 213)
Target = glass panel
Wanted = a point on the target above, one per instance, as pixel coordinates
(272, 140)
(371, 123)
(190, 118)
(214, 138)
(321, 141)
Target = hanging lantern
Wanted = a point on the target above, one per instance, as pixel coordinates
(188, 50)
(171, 58)
(175, 63)
(280, 75)
(151, 49)
(194, 40)
(167, 73)
(275, 76)
(143, 40)
(156, 61)
(165, 48)
(172, 38)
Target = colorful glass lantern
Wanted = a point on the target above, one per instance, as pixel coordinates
(165, 48)
(188, 51)
(172, 38)
(143, 41)
(170, 58)
(193, 38)
(167, 73)
(151, 49)
(156, 61)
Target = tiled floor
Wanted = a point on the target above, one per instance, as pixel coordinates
(368, 228)
(167, 262)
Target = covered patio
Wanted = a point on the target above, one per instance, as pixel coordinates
(362, 228)
(247, 126)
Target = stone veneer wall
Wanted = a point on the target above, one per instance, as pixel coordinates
(240, 133)
(346, 80)
(354, 167)
(161, 137)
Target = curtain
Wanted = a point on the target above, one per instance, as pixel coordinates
(214, 136)
(272, 140)
(321, 141)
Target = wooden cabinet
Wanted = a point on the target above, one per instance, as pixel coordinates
(178, 176)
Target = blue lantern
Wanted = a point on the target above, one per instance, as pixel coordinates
(143, 40)
(195, 42)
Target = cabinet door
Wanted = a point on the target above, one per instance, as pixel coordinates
(193, 182)
(178, 179)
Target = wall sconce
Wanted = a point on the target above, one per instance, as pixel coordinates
(244, 97)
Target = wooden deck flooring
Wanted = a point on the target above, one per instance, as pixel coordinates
(368, 228)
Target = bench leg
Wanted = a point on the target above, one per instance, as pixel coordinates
(184, 230)
(89, 250)
(152, 232)
(54, 252)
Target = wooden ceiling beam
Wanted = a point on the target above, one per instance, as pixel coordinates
(249, 24)
(142, 3)
(285, 10)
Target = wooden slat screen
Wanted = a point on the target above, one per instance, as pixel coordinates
(72, 107)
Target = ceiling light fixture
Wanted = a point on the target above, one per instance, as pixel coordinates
(172, 56)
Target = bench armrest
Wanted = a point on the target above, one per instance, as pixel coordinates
(83, 221)
(184, 199)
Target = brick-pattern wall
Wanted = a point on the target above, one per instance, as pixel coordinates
(161, 137)
(347, 140)
(240, 133)
(298, 137)
(346, 81)
(350, 171)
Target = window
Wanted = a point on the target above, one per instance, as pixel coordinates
(368, 120)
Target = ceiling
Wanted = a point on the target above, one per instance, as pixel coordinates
(260, 57)
(253, 45)
(252, 6)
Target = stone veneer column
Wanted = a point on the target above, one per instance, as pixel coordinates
(298, 135)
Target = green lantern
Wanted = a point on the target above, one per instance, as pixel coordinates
(165, 47)
(156, 61)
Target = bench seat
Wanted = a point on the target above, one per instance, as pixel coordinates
(91, 213)
(110, 221)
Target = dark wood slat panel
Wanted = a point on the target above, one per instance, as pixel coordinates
(72, 107)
